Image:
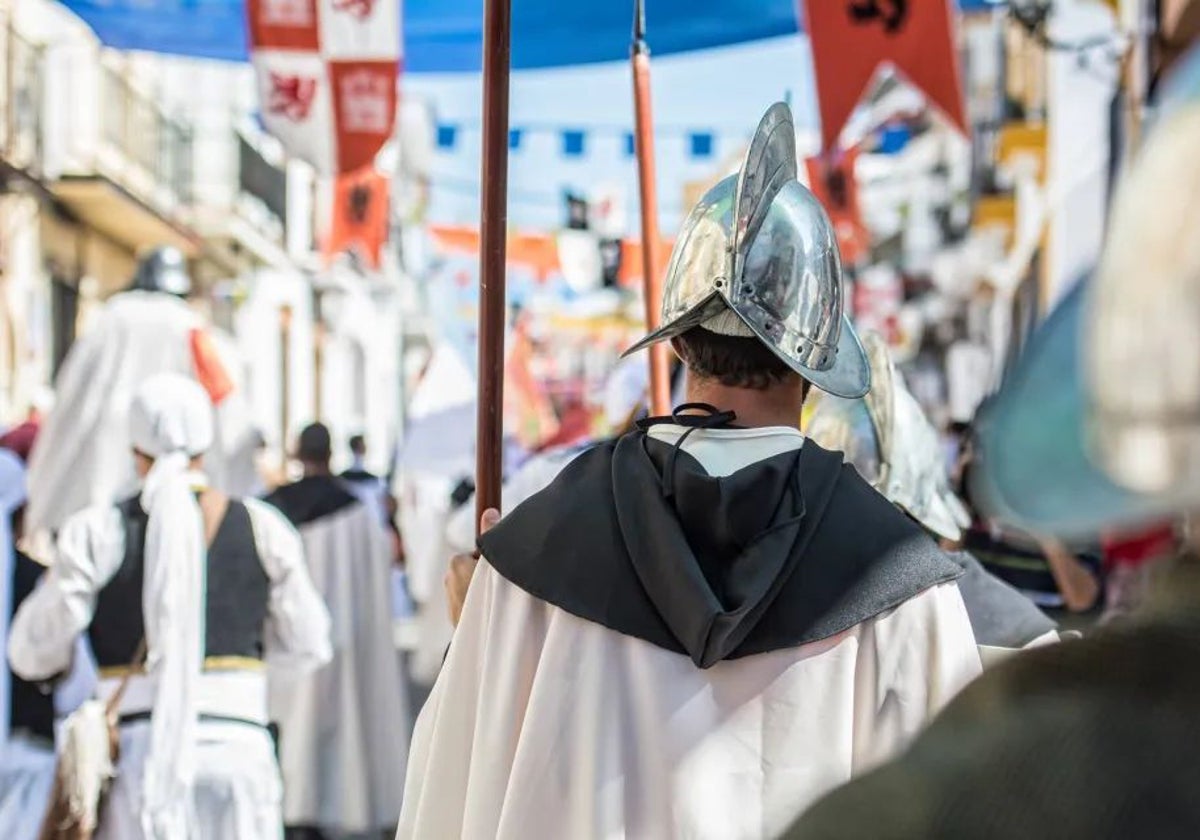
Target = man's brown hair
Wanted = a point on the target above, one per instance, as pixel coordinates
(734, 361)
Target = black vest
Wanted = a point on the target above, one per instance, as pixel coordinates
(32, 709)
(236, 592)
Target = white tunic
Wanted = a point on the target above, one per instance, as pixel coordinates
(344, 729)
(544, 724)
(237, 794)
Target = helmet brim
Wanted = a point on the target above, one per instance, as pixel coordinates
(849, 377)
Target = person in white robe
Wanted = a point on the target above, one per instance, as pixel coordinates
(701, 627)
(370, 489)
(213, 588)
(343, 731)
(81, 457)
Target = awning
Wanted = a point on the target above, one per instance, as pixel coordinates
(445, 36)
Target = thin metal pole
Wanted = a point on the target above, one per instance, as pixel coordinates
(492, 241)
(660, 372)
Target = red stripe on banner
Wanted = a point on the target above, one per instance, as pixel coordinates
(283, 24)
(364, 107)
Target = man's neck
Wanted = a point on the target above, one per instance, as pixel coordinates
(779, 405)
(317, 471)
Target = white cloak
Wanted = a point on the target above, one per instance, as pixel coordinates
(544, 724)
(344, 729)
(236, 794)
(82, 457)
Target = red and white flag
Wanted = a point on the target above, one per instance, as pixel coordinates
(327, 73)
(852, 38)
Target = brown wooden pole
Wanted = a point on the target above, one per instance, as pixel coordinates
(489, 420)
(660, 370)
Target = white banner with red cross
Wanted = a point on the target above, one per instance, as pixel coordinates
(327, 72)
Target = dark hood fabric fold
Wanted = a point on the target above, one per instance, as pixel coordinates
(786, 551)
(310, 499)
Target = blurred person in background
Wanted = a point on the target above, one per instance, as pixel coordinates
(343, 731)
(27, 709)
(1064, 579)
(81, 457)
(193, 591)
(889, 440)
(1135, 564)
(715, 617)
(368, 487)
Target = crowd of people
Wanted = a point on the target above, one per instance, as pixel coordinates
(236, 651)
(709, 625)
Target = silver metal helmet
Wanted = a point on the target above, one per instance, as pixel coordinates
(163, 269)
(889, 440)
(760, 245)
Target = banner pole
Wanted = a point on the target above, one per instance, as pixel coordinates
(492, 258)
(660, 372)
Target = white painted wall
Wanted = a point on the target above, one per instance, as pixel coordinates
(1080, 89)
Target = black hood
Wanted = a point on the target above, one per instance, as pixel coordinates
(637, 536)
(310, 499)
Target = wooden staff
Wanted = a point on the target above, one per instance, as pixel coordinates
(660, 374)
(492, 240)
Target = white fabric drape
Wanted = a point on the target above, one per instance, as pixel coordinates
(174, 619)
(82, 454)
(543, 719)
(542, 723)
(171, 421)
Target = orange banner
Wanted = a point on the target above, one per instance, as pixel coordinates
(360, 216)
(851, 38)
(210, 372)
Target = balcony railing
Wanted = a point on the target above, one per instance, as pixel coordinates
(21, 122)
(158, 147)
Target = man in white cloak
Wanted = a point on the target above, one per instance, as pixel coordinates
(81, 456)
(211, 588)
(700, 627)
(343, 731)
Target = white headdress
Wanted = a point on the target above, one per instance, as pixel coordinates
(172, 422)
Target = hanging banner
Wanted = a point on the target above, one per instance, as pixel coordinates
(851, 38)
(327, 74)
(360, 216)
(831, 180)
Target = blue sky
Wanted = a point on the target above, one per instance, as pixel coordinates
(723, 91)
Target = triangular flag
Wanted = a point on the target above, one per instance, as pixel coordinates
(852, 38)
(360, 216)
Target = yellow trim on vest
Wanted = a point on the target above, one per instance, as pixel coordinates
(211, 663)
